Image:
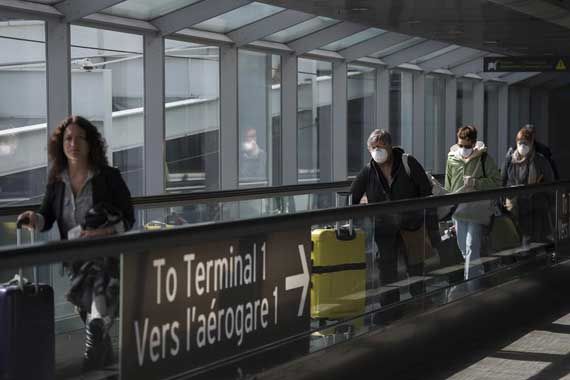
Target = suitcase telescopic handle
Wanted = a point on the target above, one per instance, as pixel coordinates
(346, 198)
(19, 225)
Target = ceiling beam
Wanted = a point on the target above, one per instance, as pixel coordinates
(372, 45)
(473, 66)
(325, 36)
(195, 14)
(514, 78)
(542, 79)
(450, 59)
(22, 9)
(119, 24)
(267, 26)
(76, 9)
(413, 52)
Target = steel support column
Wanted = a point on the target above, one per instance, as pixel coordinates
(289, 120)
(154, 128)
(229, 159)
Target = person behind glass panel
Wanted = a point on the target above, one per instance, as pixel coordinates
(525, 165)
(86, 198)
(252, 159)
(470, 168)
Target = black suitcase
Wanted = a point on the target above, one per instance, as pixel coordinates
(27, 339)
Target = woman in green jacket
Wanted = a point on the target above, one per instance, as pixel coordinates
(470, 168)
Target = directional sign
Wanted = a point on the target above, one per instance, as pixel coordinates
(526, 64)
(188, 307)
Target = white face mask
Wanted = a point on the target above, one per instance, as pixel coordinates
(465, 152)
(523, 149)
(5, 150)
(248, 146)
(379, 155)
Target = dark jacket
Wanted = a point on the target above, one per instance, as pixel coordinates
(108, 187)
(371, 181)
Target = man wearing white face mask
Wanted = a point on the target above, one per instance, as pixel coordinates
(386, 178)
(253, 160)
(469, 168)
(526, 166)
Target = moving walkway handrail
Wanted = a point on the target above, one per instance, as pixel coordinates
(139, 241)
(170, 200)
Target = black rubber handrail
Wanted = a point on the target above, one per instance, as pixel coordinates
(139, 241)
(168, 200)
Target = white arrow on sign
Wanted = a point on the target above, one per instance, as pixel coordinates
(300, 280)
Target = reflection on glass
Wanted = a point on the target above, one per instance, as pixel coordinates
(23, 113)
(314, 120)
(114, 101)
(361, 115)
(238, 18)
(302, 29)
(464, 102)
(146, 9)
(354, 39)
(435, 149)
(192, 116)
(259, 100)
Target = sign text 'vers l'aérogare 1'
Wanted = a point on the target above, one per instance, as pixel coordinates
(191, 306)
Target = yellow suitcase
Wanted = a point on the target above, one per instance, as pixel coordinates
(338, 279)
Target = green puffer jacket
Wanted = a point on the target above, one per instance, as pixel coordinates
(457, 167)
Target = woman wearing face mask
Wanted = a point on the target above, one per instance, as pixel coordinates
(469, 168)
(384, 179)
(525, 166)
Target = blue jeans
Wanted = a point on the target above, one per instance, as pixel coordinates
(469, 237)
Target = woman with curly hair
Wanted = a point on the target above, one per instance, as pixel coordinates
(79, 182)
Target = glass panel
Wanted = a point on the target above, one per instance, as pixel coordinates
(192, 116)
(395, 107)
(361, 115)
(401, 107)
(99, 39)
(302, 29)
(354, 39)
(146, 9)
(464, 102)
(434, 54)
(435, 149)
(259, 97)
(314, 120)
(394, 48)
(23, 112)
(238, 18)
(114, 102)
(492, 119)
(362, 276)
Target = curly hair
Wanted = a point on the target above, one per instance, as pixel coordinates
(97, 147)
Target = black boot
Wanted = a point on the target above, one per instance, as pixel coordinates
(94, 355)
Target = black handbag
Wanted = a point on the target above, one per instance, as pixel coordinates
(102, 215)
